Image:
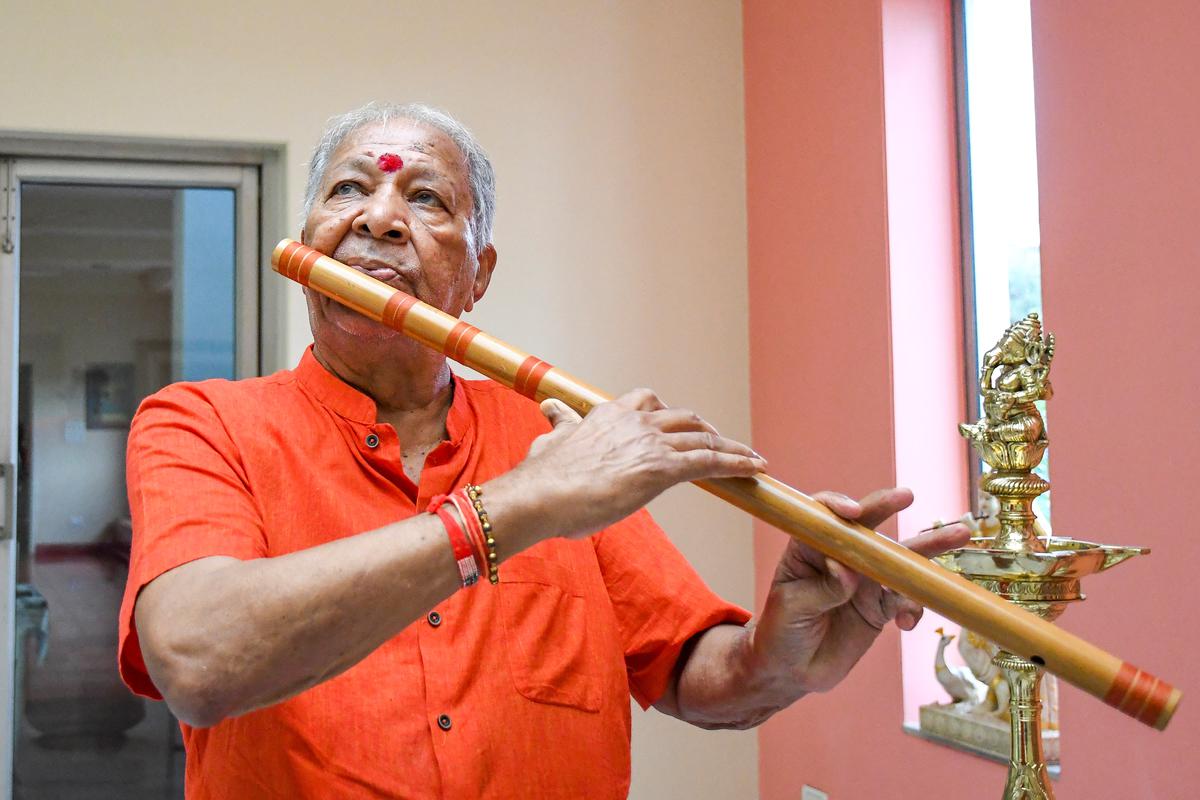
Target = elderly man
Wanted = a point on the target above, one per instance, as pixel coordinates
(297, 592)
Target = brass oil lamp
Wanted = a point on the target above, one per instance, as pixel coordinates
(1042, 574)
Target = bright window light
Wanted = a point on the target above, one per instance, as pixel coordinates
(1002, 150)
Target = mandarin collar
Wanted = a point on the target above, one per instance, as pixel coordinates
(346, 401)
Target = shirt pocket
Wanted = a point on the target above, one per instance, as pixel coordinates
(546, 633)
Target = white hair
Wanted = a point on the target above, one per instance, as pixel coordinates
(479, 168)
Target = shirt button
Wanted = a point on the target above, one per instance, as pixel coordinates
(444, 722)
(372, 441)
(435, 618)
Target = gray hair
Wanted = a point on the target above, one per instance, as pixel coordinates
(479, 168)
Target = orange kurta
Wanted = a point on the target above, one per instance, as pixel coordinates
(516, 690)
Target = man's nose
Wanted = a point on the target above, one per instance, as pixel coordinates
(385, 216)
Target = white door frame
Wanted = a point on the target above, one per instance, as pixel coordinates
(9, 328)
(248, 360)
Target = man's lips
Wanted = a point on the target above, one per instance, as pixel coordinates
(379, 270)
(397, 277)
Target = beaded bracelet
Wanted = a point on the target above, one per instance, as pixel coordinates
(475, 493)
(465, 555)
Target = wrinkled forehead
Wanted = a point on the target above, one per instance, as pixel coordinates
(414, 142)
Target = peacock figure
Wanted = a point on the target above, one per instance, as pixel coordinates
(977, 653)
(958, 681)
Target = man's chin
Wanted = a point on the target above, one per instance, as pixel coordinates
(351, 323)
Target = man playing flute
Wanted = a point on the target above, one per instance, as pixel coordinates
(304, 587)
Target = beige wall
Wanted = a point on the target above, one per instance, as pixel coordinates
(616, 130)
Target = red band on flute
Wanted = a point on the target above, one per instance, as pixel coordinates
(396, 310)
(1138, 692)
(298, 270)
(1120, 685)
(459, 340)
(286, 256)
(529, 376)
(1156, 703)
(306, 265)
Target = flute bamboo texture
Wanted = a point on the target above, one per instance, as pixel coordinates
(1118, 683)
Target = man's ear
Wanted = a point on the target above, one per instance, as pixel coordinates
(485, 265)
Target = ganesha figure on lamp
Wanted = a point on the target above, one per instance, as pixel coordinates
(1015, 373)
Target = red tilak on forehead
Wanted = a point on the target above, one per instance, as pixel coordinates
(390, 162)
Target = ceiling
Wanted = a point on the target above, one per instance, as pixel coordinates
(79, 230)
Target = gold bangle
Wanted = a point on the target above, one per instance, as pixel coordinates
(474, 493)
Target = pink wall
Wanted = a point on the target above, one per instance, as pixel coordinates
(841, 300)
(825, 303)
(1118, 128)
(821, 390)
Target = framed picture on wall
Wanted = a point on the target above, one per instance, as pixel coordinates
(110, 395)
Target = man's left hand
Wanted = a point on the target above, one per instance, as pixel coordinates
(820, 616)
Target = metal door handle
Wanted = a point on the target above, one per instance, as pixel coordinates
(8, 524)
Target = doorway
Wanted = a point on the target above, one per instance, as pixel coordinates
(122, 277)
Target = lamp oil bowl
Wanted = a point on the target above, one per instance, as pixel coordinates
(1040, 573)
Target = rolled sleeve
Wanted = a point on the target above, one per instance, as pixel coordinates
(188, 498)
(659, 601)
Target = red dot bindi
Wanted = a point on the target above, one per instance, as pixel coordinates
(390, 162)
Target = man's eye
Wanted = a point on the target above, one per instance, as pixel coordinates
(426, 197)
(346, 189)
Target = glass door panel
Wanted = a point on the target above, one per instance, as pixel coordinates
(123, 288)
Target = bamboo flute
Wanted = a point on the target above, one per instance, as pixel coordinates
(1099, 673)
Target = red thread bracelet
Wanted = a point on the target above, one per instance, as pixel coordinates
(464, 554)
(471, 520)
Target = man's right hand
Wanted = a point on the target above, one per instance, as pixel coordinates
(590, 473)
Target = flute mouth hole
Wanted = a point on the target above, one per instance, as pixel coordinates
(1041, 662)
